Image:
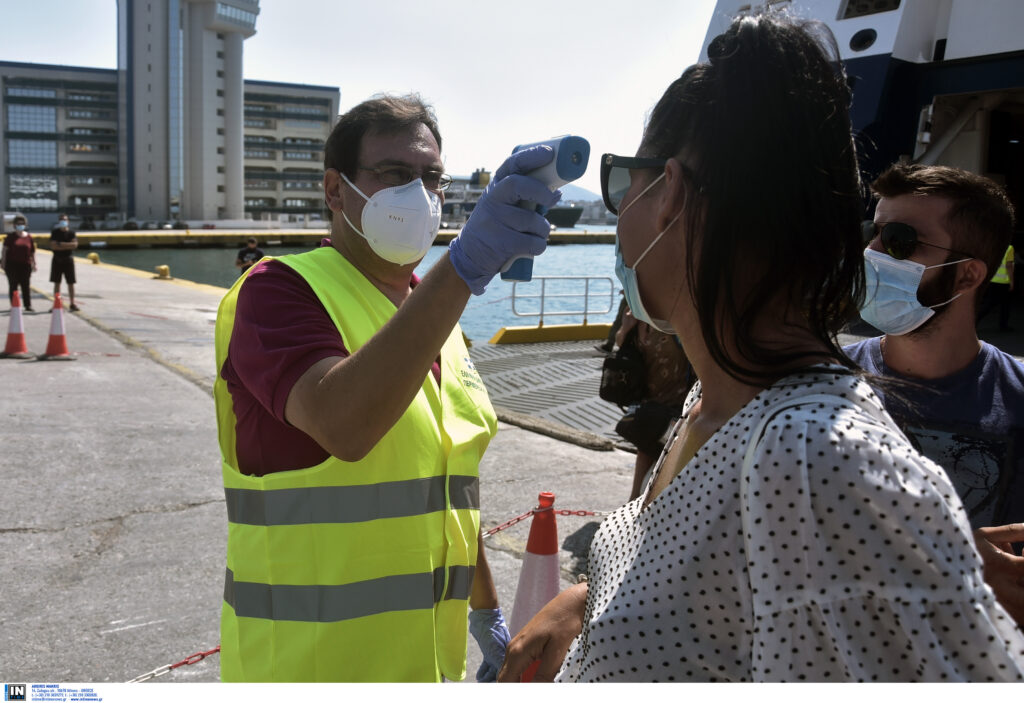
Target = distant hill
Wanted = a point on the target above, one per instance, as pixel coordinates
(573, 192)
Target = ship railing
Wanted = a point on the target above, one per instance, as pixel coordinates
(561, 296)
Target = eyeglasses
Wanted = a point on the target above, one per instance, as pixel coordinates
(616, 177)
(898, 239)
(400, 175)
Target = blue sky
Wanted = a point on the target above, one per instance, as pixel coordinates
(497, 73)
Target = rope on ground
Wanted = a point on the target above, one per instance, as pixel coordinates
(160, 671)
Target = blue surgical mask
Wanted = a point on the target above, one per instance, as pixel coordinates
(20, 228)
(890, 302)
(627, 276)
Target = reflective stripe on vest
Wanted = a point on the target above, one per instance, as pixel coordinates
(1002, 274)
(347, 601)
(341, 504)
(356, 571)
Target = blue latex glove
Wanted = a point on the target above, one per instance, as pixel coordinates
(499, 229)
(491, 634)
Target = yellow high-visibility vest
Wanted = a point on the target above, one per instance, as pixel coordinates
(356, 571)
(1002, 275)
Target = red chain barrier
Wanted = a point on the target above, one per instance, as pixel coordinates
(519, 518)
(191, 659)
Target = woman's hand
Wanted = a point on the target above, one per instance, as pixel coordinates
(546, 638)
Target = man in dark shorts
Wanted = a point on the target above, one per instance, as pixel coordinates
(249, 255)
(62, 242)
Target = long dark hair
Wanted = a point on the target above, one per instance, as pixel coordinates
(766, 131)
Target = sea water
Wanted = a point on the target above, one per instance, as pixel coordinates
(484, 315)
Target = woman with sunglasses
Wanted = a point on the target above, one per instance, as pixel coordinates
(788, 531)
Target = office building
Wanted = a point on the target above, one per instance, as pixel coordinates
(174, 133)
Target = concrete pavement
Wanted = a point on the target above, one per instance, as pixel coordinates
(114, 525)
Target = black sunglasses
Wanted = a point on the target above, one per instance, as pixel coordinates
(898, 239)
(616, 179)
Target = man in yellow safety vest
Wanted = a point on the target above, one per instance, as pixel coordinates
(352, 421)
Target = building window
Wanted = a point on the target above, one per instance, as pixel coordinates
(90, 131)
(258, 184)
(220, 169)
(32, 92)
(259, 154)
(31, 118)
(301, 156)
(90, 115)
(78, 200)
(220, 189)
(261, 138)
(88, 97)
(220, 93)
(220, 113)
(220, 54)
(89, 181)
(296, 202)
(304, 124)
(235, 15)
(260, 124)
(24, 152)
(302, 185)
(86, 147)
(259, 202)
(32, 192)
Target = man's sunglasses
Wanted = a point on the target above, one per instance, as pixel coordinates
(616, 178)
(400, 175)
(898, 239)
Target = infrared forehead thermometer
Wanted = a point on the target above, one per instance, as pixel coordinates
(569, 163)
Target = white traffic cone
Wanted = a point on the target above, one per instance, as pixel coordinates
(57, 346)
(16, 348)
(539, 579)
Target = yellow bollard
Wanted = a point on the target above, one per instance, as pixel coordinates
(93, 257)
(163, 272)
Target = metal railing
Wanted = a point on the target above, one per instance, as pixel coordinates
(548, 298)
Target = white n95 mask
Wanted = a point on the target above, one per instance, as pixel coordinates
(399, 223)
(890, 300)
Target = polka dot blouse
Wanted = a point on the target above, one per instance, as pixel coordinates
(856, 564)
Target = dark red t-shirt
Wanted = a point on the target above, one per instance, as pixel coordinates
(20, 249)
(281, 330)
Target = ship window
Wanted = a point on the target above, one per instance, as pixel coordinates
(863, 39)
(860, 8)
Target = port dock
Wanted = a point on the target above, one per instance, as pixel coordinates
(233, 238)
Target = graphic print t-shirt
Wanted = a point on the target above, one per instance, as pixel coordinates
(971, 423)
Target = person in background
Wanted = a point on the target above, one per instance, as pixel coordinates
(1000, 292)
(938, 234)
(668, 378)
(789, 531)
(62, 242)
(248, 255)
(18, 260)
(352, 421)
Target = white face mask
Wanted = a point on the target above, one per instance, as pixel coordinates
(890, 301)
(399, 223)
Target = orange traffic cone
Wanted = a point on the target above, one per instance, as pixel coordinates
(57, 346)
(539, 580)
(16, 347)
